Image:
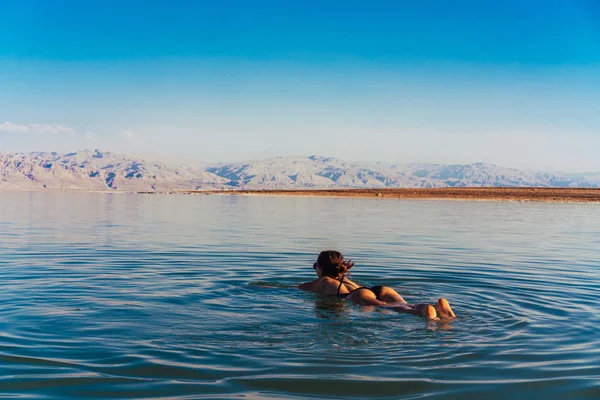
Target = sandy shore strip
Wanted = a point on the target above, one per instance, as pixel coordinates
(554, 195)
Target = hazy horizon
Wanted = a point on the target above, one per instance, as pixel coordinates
(516, 85)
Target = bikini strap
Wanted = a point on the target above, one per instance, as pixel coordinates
(339, 287)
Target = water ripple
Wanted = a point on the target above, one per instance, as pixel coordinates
(105, 296)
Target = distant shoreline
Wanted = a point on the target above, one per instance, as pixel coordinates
(550, 195)
(509, 194)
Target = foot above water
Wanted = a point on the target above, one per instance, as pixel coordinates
(443, 309)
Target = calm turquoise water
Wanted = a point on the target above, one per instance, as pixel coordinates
(173, 296)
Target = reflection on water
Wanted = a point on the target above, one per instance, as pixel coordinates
(330, 307)
(113, 296)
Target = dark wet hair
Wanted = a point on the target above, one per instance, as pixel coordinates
(332, 263)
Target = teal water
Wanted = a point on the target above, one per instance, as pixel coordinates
(173, 296)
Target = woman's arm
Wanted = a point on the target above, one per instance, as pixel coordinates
(310, 286)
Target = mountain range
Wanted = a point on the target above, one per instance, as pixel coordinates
(103, 170)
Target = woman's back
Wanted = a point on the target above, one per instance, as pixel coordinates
(329, 286)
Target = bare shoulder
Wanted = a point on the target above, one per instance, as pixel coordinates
(310, 286)
(331, 286)
(325, 285)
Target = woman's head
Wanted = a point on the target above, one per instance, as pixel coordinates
(332, 264)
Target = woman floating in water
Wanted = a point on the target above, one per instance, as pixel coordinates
(331, 269)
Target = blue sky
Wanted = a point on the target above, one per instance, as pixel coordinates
(516, 84)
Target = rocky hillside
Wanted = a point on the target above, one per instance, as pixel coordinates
(97, 170)
(321, 172)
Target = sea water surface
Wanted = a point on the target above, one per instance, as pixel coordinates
(174, 296)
